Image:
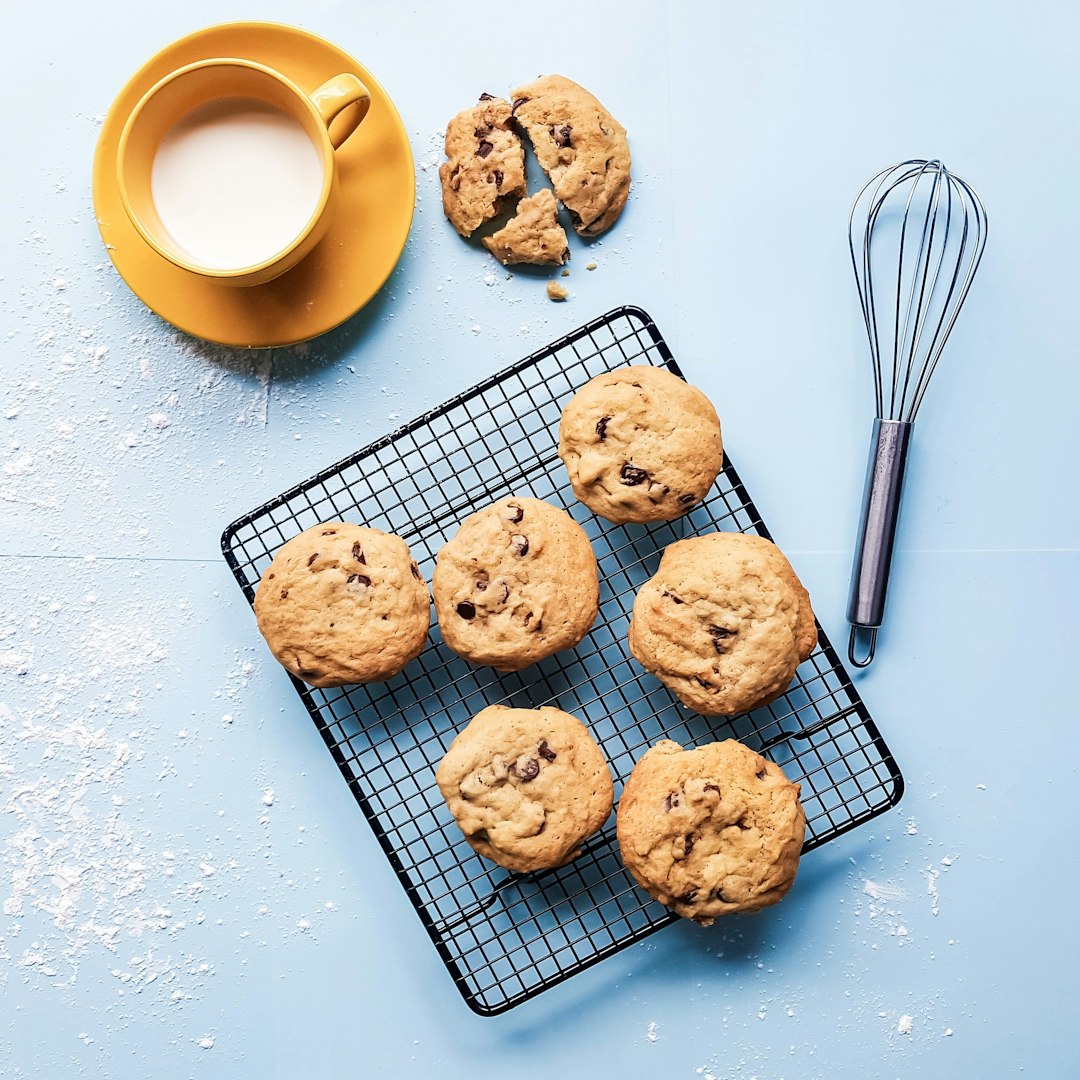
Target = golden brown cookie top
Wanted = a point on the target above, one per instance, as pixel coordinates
(533, 235)
(485, 165)
(640, 444)
(517, 582)
(342, 603)
(526, 786)
(711, 830)
(581, 147)
(724, 622)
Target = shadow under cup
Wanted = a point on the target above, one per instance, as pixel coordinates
(165, 105)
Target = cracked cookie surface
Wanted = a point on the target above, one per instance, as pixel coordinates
(342, 603)
(724, 622)
(526, 786)
(712, 830)
(517, 582)
(581, 147)
(640, 444)
(485, 165)
(533, 235)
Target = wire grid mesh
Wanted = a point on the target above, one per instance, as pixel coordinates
(505, 937)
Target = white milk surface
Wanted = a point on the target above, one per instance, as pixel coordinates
(235, 182)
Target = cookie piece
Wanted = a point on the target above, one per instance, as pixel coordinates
(527, 786)
(517, 583)
(485, 164)
(712, 830)
(341, 603)
(640, 444)
(533, 235)
(724, 623)
(581, 147)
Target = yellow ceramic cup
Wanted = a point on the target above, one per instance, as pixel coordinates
(343, 98)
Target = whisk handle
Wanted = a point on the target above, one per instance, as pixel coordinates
(877, 531)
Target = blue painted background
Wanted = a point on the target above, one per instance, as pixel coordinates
(229, 912)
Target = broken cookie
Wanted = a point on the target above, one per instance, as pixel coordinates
(485, 166)
(581, 147)
(533, 235)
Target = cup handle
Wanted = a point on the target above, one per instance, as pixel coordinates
(336, 95)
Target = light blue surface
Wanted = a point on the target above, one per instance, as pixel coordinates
(156, 760)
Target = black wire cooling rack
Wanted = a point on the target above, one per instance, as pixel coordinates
(506, 937)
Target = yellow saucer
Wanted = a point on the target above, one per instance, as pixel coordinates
(360, 249)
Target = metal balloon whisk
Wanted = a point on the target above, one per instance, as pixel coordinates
(917, 234)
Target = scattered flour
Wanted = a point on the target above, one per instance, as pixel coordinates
(652, 1033)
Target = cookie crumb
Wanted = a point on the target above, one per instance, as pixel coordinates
(590, 266)
(566, 272)
(556, 291)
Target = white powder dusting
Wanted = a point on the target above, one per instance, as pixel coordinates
(268, 797)
(904, 1025)
(879, 890)
(206, 1042)
(652, 1032)
(931, 876)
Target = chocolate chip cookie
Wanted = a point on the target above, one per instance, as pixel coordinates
(710, 831)
(640, 444)
(341, 603)
(517, 583)
(485, 166)
(581, 147)
(527, 786)
(724, 623)
(533, 235)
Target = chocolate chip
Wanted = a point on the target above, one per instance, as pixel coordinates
(521, 543)
(631, 475)
(528, 770)
(718, 894)
(360, 579)
(741, 823)
(516, 512)
(358, 554)
(484, 149)
(718, 634)
(545, 751)
(481, 585)
(506, 592)
(703, 683)
(270, 577)
(760, 774)
(487, 97)
(328, 532)
(312, 557)
(671, 801)
(688, 843)
(518, 102)
(307, 673)
(415, 571)
(498, 178)
(687, 498)
(466, 609)
(713, 787)
(687, 897)
(561, 135)
(673, 598)
(601, 427)
(528, 617)
(284, 593)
